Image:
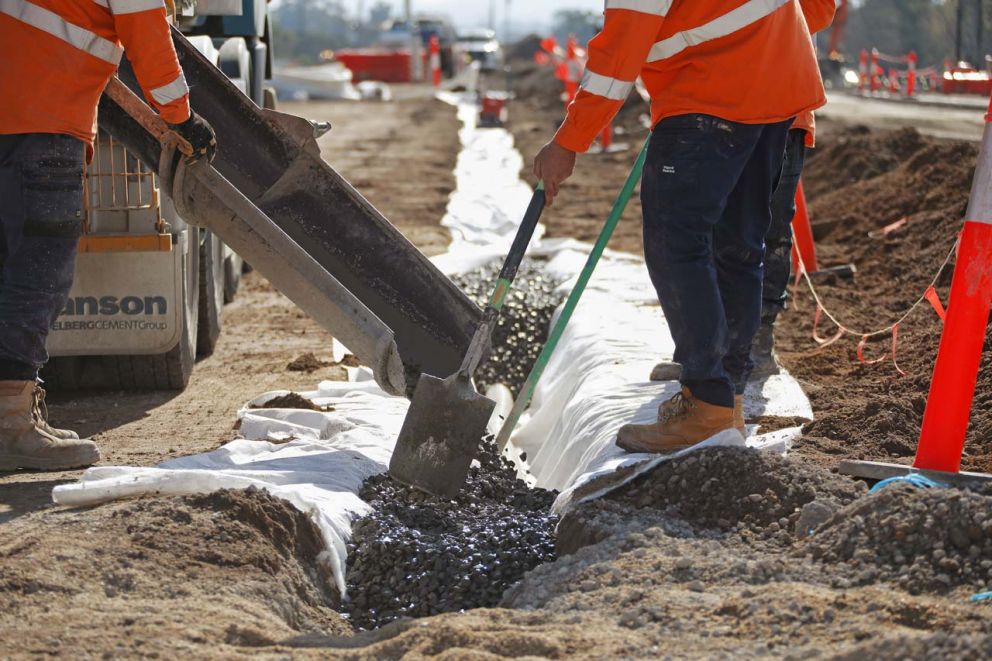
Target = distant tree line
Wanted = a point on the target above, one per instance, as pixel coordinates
(302, 29)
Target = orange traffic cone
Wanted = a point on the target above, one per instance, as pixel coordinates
(952, 390)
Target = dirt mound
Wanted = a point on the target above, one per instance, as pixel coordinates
(870, 411)
(308, 363)
(523, 325)
(165, 576)
(857, 155)
(524, 49)
(292, 400)
(736, 488)
(923, 539)
(420, 555)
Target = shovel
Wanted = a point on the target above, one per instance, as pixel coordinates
(447, 417)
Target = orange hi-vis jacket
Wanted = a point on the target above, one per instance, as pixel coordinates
(58, 55)
(748, 61)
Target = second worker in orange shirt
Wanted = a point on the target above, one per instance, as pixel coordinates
(726, 79)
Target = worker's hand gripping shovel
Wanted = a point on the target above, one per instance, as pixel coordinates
(447, 418)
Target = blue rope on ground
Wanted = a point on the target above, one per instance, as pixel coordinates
(981, 596)
(915, 479)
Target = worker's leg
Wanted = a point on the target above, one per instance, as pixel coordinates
(739, 246)
(778, 241)
(778, 254)
(41, 196)
(693, 164)
(42, 180)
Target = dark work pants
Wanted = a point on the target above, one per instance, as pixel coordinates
(706, 195)
(778, 240)
(41, 216)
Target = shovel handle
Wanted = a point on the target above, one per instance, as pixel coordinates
(520, 242)
(503, 283)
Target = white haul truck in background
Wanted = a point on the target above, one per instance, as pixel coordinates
(148, 288)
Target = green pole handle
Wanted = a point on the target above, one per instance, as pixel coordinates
(619, 205)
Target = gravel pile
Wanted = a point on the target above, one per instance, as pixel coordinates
(420, 555)
(923, 539)
(758, 493)
(523, 324)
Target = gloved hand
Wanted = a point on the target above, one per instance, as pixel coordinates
(200, 135)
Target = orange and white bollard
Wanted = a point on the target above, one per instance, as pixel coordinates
(874, 70)
(893, 80)
(573, 70)
(862, 70)
(952, 389)
(435, 60)
(911, 73)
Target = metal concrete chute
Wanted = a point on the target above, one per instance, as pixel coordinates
(206, 199)
(274, 161)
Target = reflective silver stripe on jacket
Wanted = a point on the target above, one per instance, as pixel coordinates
(611, 88)
(734, 20)
(177, 89)
(118, 7)
(50, 22)
(102, 3)
(654, 7)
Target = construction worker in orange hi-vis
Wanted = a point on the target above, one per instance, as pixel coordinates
(726, 78)
(57, 57)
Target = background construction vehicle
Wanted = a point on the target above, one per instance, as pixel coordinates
(149, 288)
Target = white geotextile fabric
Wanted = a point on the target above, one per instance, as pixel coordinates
(596, 381)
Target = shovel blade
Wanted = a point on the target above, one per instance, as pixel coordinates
(441, 434)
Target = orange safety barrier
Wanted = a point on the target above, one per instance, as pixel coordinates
(802, 233)
(952, 390)
(377, 64)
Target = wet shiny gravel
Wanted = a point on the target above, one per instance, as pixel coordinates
(420, 555)
(523, 324)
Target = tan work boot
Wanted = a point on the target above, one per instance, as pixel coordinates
(23, 441)
(66, 434)
(739, 415)
(683, 421)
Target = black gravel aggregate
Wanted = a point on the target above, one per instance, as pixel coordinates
(523, 324)
(420, 555)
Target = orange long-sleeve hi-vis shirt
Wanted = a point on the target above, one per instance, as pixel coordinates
(58, 56)
(748, 61)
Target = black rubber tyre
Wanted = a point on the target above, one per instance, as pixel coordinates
(213, 289)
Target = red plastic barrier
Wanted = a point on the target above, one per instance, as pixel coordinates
(952, 389)
(802, 233)
(372, 64)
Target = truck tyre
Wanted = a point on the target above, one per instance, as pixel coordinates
(213, 276)
(233, 266)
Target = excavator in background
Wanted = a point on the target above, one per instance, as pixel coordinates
(163, 240)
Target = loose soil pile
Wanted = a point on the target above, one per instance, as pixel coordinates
(419, 555)
(166, 576)
(858, 184)
(523, 324)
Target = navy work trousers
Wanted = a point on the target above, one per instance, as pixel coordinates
(778, 240)
(706, 195)
(41, 217)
